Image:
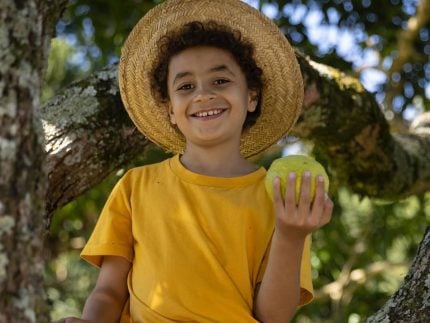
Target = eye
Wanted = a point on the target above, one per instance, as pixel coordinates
(221, 81)
(184, 87)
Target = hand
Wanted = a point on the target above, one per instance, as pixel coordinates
(295, 221)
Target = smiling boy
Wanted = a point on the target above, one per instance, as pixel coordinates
(196, 238)
(209, 102)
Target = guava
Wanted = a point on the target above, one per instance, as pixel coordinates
(281, 167)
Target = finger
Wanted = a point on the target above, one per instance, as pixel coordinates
(328, 210)
(319, 199)
(305, 194)
(290, 193)
(277, 196)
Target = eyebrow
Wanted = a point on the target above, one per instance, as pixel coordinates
(217, 68)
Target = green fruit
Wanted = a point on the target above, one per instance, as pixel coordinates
(281, 167)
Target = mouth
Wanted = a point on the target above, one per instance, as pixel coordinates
(208, 114)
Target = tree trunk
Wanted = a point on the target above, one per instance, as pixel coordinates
(410, 304)
(25, 33)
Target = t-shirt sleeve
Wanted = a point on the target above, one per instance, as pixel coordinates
(306, 286)
(112, 235)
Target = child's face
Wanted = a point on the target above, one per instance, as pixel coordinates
(209, 97)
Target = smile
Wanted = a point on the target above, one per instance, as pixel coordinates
(203, 114)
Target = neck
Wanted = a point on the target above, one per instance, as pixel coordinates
(219, 162)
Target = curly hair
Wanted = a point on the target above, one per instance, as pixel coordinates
(210, 34)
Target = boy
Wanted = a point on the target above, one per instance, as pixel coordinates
(195, 238)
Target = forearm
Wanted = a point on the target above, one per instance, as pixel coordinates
(103, 305)
(279, 293)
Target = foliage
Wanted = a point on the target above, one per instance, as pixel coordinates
(69, 279)
(99, 27)
(58, 71)
(374, 28)
(360, 258)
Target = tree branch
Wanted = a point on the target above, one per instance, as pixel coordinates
(88, 135)
(350, 132)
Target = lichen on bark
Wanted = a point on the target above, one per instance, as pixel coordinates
(25, 35)
(411, 303)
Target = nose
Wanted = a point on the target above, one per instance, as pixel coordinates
(203, 95)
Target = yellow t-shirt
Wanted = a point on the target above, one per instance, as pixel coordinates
(197, 243)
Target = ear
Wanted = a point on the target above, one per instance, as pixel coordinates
(171, 115)
(252, 100)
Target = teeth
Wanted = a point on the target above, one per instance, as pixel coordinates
(208, 113)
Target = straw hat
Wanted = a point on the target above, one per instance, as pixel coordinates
(282, 93)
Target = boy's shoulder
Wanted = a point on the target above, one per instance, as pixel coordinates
(148, 169)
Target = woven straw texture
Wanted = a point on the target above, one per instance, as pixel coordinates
(282, 93)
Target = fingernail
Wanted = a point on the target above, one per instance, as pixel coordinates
(320, 178)
(307, 174)
(292, 175)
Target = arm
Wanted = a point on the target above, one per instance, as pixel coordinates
(277, 298)
(106, 301)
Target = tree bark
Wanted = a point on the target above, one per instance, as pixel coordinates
(88, 135)
(411, 303)
(352, 136)
(25, 33)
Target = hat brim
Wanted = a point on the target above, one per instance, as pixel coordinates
(282, 94)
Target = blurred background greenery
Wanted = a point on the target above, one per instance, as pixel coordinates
(362, 256)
